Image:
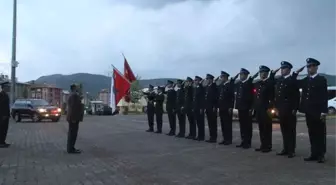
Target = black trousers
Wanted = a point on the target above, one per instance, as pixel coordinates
(317, 134)
(199, 117)
(212, 123)
(265, 128)
(72, 135)
(192, 124)
(3, 129)
(150, 117)
(226, 124)
(246, 128)
(182, 122)
(288, 130)
(158, 115)
(172, 121)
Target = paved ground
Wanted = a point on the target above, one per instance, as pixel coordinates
(118, 151)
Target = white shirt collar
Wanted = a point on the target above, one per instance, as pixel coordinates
(313, 76)
(170, 88)
(287, 76)
(246, 79)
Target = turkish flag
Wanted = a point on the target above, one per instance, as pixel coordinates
(121, 85)
(129, 75)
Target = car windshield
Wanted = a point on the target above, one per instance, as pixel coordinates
(39, 102)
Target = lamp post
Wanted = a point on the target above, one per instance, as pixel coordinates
(14, 63)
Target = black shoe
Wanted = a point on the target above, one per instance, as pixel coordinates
(190, 137)
(291, 155)
(321, 159)
(258, 149)
(246, 146)
(158, 132)
(227, 142)
(4, 145)
(221, 143)
(311, 158)
(199, 139)
(170, 134)
(150, 130)
(240, 145)
(179, 136)
(282, 153)
(74, 151)
(266, 150)
(211, 141)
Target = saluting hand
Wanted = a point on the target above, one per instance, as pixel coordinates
(275, 71)
(300, 70)
(235, 77)
(255, 75)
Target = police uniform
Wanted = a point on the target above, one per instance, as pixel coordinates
(211, 97)
(4, 116)
(74, 116)
(181, 115)
(198, 108)
(188, 109)
(170, 108)
(263, 99)
(314, 103)
(150, 108)
(159, 99)
(244, 101)
(287, 97)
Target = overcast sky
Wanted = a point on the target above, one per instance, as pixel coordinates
(166, 38)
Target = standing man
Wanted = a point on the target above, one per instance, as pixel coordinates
(211, 97)
(159, 99)
(150, 107)
(4, 114)
(198, 107)
(170, 107)
(287, 99)
(188, 107)
(314, 103)
(244, 100)
(225, 105)
(73, 118)
(263, 100)
(181, 115)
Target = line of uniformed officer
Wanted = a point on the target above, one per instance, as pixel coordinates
(282, 93)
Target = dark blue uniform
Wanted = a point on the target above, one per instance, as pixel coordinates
(211, 97)
(4, 117)
(188, 109)
(159, 99)
(150, 109)
(179, 110)
(170, 108)
(198, 108)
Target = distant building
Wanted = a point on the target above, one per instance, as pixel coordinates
(104, 95)
(50, 93)
(22, 90)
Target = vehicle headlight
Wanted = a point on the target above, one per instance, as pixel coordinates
(272, 111)
(59, 110)
(42, 110)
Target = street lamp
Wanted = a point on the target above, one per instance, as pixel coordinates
(14, 63)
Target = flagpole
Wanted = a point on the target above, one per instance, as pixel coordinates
(120, 73)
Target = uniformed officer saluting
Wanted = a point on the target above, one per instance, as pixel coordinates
(159, 99)
(4, 114)
(225, 105)
(150, 107)
(287, 98)
(179, 108)
(188, 106)
(264, 96)
(170, 107)
(73, 117)
(244, 101)
(198, 107)
(314, 103)
(211, 97)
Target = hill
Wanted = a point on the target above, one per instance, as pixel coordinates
(92, 83)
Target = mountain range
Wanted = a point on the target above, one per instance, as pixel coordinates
(93, 83)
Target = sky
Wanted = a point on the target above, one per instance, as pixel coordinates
(166, 38)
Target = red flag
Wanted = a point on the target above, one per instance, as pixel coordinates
(121, 85)
(129, 75)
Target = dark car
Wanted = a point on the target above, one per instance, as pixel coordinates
(105, 110)
(35, 109)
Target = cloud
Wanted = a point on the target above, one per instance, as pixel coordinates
(176, 39)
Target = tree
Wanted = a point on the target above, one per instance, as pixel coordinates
(135, 90)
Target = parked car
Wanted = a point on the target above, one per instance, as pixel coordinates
(35, 109)
(105, 110)
(332, 106)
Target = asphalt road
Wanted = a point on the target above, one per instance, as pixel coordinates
(116, 150)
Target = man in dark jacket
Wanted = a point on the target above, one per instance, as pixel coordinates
(4, 114)
(188, 107)
(150, 108)
(263, 99)
(159, 99)
(198, 107)
(211, 97)
(287, 98)
(74, 116)
(225, 105)
(244, 101)
(170, 107)
(181, 115)
(314, 103)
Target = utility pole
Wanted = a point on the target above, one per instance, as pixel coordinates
(13, 62)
